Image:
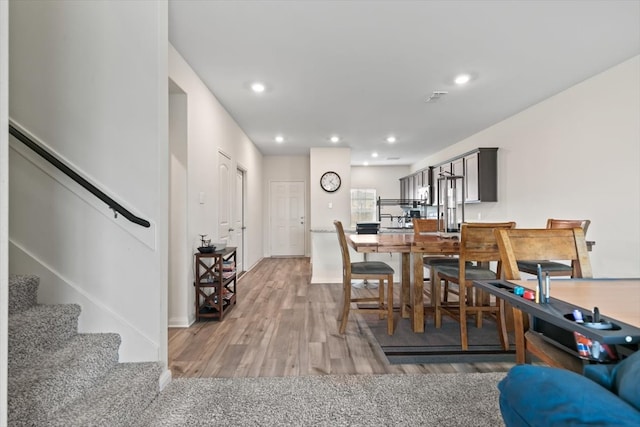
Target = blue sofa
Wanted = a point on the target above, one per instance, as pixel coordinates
(607, 395)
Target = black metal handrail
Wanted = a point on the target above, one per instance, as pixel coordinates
(42, 152)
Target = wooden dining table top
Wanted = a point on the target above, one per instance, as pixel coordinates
(405, 243)
(429, 243)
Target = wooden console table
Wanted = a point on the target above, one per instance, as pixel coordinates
(215, 283)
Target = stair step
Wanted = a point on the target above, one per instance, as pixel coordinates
(23, 292)
(42, 327)
(59, 376)
(127, 390)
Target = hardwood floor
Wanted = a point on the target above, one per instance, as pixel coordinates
(284, 326)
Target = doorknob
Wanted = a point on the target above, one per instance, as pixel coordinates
(231, 229)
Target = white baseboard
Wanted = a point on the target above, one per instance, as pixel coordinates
(165, 379)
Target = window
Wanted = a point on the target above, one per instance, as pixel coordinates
(363, 206)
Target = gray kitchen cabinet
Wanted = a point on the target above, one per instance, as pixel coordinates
(407, 188)
(480, 169)
(410, 185)
(471, 178)
(457, 169)
(481, 175)
(404, 187)
(438, 172)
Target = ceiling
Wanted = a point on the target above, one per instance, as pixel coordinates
(363, 70)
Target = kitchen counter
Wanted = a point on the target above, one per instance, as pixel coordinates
(407, 230)
(404, 230)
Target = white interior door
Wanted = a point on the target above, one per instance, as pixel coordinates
(237, 235)
(224, 199)
(287, 218)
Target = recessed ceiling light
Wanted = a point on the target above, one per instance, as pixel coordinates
(462, 79)
(391, 139)
(258, 87)
(279, 139)
(335, 139)
(365, 163)
(374, 154)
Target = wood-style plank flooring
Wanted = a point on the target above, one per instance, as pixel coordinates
(284, 326)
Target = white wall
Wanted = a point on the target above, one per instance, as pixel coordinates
(325, 208)
(90, 80)
(321, 161)
(4, 204)
(180, 258)
(384, 179)
(283, 168)
(575, 155)
(211, 129)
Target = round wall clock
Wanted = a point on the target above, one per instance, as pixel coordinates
(330, 181)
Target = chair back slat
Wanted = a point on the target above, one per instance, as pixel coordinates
(478, 242)
(569, 223)
(425, 225)
(562, 244)
(344, 248)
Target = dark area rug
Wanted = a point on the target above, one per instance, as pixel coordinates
(440, 345)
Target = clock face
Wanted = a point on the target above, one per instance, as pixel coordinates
(330, 181)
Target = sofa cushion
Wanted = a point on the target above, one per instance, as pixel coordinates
(626, 380)
(543, 396)
(602, 374)
(622, 379)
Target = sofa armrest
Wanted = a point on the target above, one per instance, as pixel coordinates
(546, 397)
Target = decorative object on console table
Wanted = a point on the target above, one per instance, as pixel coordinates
(215, 283)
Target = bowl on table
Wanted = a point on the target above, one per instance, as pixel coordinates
(206, 249)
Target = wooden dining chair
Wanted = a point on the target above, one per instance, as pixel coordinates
(365, 270)
(554, 268)
(560, 244)
(478, 246)
(429, 225)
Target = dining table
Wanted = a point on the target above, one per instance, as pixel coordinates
(411, 248)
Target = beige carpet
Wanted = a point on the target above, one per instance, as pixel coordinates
(367, 400)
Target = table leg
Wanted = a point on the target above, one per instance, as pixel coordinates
(417, 298)
(405, 291)
(518, 324)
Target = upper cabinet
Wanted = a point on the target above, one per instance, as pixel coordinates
(481, 175)
(438, 193)
(416, 186)
(479, 168)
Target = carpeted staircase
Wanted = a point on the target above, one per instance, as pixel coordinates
(58, 377)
